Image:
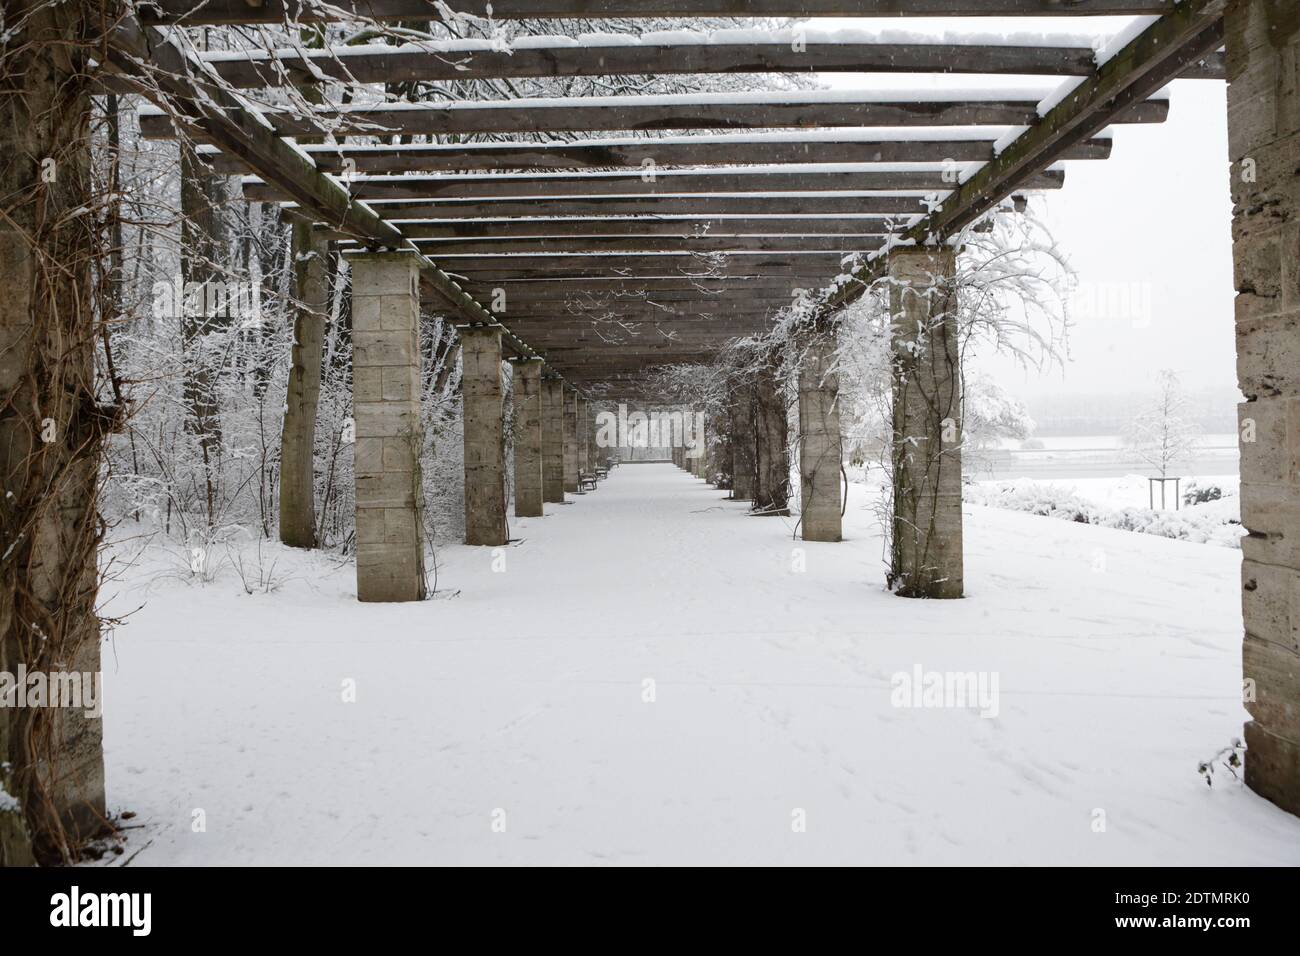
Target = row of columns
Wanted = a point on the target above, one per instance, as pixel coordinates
(554, 431)
(925, 433)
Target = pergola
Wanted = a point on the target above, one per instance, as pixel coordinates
(588, 255)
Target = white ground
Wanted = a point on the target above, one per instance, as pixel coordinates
(524, 693)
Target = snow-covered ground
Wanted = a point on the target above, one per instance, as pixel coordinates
(516, 721)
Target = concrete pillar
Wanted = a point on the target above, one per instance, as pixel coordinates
(570, 440)
(820, 452)
(553, 440)
(597, 454)
(771, 453)
(926, 532)
(528, 437)
(386, 408)
(584, 437)
(1263, 62)
(484, 436)
(741, 426)
(720, 448)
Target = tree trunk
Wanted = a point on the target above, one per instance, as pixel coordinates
(204, 246)
(51, 429)
(297, 446)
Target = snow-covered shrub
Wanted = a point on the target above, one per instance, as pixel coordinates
(1216, 522)
(1199, 495)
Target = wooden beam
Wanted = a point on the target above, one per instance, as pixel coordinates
(736, 111)
(631, 185)
(666, 152)
(656, 287)
(439, 248)
(1145, 65)
(198, 12)
(795, 204)
(778, 52)
(475, 229)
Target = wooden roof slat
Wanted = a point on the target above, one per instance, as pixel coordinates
(800, 204)
(439, 248)
(665, 152)
(630, 185)
(199, 12)
(436, 61)
(606, 114)
(553, 228)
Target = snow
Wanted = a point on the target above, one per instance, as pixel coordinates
(1027, 94)
(523, 694)
(1122, 503)
(596, 40)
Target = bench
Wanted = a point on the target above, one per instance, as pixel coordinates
(586, 480)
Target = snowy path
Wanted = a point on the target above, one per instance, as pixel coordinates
(524, 694)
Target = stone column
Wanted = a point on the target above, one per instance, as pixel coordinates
(484, 436)
(1263, 61)
(570, 440)
(584, 449)
(597, 453)
(553, 440)
(926, 533)
(771, 454)
(820, 451)
(528, 437)
(386, 407)
(741, 426)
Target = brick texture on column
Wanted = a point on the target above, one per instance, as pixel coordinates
(926, 531)
(1263, 62)
(820, 451)
(553, 440)
(570, 440)
(741, 425)
(772, 453)
(386, 408)
(528, 437)
(484, 436)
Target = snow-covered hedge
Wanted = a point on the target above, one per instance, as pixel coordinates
(1214, 522)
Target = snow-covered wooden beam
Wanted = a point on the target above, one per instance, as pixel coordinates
(763, 180)
(162, 71)
(809, 146)
(706, 205)
(481, 268)
(197, 12)
(436, 248)
(811, 109)
(681, 227)
(725, 51)
(1135, 72)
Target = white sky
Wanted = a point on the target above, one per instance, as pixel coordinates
(1149, 225)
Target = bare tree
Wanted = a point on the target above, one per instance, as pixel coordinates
(1163, 434)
